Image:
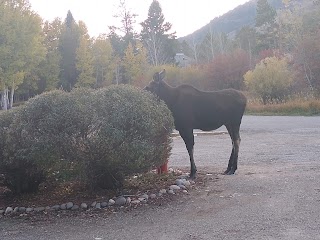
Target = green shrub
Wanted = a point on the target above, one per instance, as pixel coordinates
(131, 135)
(96, 137)
(21, 174)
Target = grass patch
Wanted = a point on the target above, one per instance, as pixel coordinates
(295, 107)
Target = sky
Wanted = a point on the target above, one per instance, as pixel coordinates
(186, 16)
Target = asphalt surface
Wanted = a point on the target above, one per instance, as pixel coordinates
(275, 194)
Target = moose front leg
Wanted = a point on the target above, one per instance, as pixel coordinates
(188, 138)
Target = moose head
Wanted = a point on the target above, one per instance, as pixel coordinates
(154, 85)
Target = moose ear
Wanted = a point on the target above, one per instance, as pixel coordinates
(156, 77)
(162, 74)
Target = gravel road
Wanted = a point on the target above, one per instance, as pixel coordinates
(275, 193)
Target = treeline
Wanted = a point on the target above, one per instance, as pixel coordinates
(38, 56)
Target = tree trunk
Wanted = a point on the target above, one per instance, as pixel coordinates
(4, 99)
(12, 94)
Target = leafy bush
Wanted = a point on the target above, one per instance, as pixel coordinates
(96, 137)
(130, 134)
(21, 174)
(270, 80)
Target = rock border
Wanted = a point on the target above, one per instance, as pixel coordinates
(181, 185)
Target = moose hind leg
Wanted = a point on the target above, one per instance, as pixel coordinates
(233, 160)
(188, 138)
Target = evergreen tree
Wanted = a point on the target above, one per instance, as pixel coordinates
(265, 13)
(69, 43)
(156, 37)
(267, 27)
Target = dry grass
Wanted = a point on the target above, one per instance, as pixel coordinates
(297, 106)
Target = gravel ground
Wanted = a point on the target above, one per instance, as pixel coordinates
(275, 193)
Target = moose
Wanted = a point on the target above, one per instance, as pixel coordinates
(204, 110)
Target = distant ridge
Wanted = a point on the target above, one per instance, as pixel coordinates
(231, 22)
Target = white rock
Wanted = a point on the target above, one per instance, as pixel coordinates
(185, 191)
(179, 182)
(69, 205)
(84, 206)
(163, 191)
(128, 200)
(145, 196)
(153, 196)
(171, 191)
(63, 206)
(111, 202)
(174, 187)
(8, 210)
(135, 202)
(187, 183)
(120, 201)
(98, 206)
(16, 209)
(28, 210)
(94, 204)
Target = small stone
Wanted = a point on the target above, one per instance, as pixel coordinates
(153, 196)
(111, 202)
(128, 200)
(84, 206)
(120, 201)
(171, 191)
(163, 191)
(9, 210)
(104, 204)
(1, 212)
(187, 183)
(141, 199)
(16, 209)
(39, 209)
(22, 209)
(135, 202)
(75, 207)
(179, 182)
(63, 206)
(55, 207)
(98, 206)
(145, 196)
(185, 191)
(182, 186)
(69, 205)
(28, 210)
(174, 187)
(47, 208)
(94, 204)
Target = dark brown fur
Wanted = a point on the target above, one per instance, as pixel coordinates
(195, 109)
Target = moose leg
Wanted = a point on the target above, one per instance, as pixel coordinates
(188, 138)
(233, 160)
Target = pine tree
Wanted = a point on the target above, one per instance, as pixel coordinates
(156, 37)
(69, 43)
(266, 26)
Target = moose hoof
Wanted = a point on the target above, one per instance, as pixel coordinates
(229, 172)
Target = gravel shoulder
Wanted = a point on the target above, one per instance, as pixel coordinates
(275, 193)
